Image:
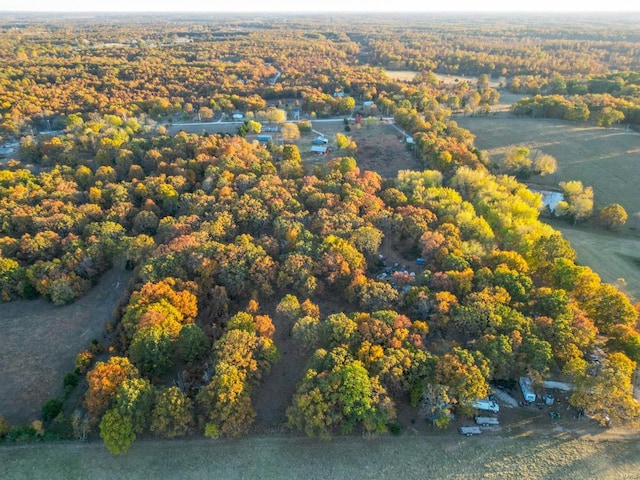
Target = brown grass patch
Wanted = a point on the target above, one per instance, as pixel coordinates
(39, 343)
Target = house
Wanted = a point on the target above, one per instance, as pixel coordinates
(320, 140)
(320, 149)
(265, 138)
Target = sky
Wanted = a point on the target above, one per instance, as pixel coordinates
(323, 5)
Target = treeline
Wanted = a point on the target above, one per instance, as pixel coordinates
(504, 48)
(604, 100)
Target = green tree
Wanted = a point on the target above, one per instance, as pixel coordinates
(192, 343)
(117, 432)
(151, 350)
(134, 400)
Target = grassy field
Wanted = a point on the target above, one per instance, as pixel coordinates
(401, 75)
(606, 159)
(558, 456)
(615, 258)
(39, 343)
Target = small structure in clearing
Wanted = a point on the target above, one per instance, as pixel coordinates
(319, 149)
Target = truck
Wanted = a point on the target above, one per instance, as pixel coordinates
(486, 404)
(527, 392)
(468, 431)
(487, 421)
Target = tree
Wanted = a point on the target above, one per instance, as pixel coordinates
(346, 105)
(578, 203)
(192, 343)
(276, 115)
(134, 400)
(545, 165)
(608, 116)
(517, 161)
(608, 396)
(613, 216)
(117, 432)
(290, 132)
(151, 350)
(173, 413)
(465, 374)
(342, 140)
(305, 126)
(226, 403)
(205, 113)
(103, 381)
(4, 426)
(342, 397)
(254, 127)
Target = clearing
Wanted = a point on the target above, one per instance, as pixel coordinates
(506, 455)
(39, 343)
(380, 148)
(616, 258)
(606, 159)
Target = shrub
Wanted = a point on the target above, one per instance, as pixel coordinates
(83, 361)
(51, 409)
(70, 382)
(4, 426)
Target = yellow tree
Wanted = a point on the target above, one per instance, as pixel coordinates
(290, 132)
(607, 396)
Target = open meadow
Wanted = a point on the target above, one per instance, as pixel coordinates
(606, 159)
(556, 456)
(39, 343)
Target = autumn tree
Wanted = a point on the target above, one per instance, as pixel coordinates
(342, 141)
(290, 132)
(544, 165)
(103, 381)
(172, 415)
(578, 202)
(613, 216)
(608, 396)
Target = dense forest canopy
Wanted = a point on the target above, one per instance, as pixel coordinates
(232, 239)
